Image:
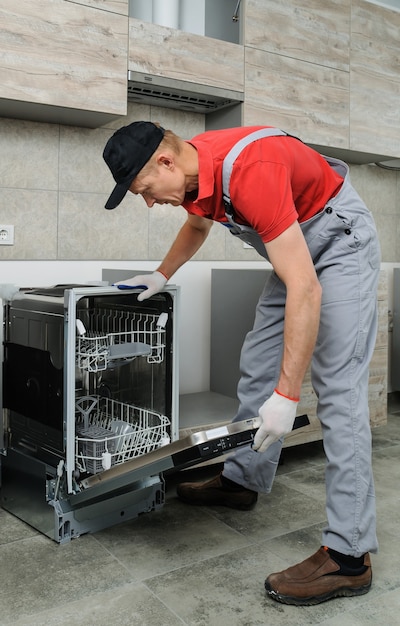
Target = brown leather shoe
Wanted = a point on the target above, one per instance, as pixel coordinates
(314, 581)
(214, 492)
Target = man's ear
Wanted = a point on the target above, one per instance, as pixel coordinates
(166, 160)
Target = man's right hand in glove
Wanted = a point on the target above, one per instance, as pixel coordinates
(153, 283)
(278, 414)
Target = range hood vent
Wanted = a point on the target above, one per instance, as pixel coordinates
(179, 94)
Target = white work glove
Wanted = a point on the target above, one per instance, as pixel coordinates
(153, 282)
(278, 414)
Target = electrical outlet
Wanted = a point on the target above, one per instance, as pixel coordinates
(6, 235)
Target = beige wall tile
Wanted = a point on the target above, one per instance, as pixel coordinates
(88, 231)
(135, 112)
(184, 124)
(164, 224)
(388, 232)
(33, 213)
(379, 190)
(82, 167)
(214, 248)
(377, 187)
(29, 154)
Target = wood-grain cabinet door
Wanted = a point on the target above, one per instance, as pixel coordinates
(65, 56)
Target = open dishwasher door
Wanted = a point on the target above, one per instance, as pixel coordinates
(192, 450)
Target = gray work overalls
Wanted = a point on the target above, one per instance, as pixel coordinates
(343, 243)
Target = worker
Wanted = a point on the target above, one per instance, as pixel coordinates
(300, 211)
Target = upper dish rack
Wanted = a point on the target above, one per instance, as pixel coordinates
(118, 337)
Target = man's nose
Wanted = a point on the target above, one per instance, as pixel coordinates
(148, 200)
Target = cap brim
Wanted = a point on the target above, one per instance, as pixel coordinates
(118, 194)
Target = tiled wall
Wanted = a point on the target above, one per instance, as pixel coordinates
(54, 183)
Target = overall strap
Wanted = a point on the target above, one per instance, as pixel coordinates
(232, 155)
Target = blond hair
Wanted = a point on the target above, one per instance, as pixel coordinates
(171, 141)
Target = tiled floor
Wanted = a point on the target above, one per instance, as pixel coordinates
(202, 567)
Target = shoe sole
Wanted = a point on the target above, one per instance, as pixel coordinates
(344, 592)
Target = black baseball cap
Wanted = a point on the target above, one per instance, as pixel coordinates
(126, 152)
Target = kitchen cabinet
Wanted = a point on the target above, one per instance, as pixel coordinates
(306, 99)
(375, 78)
(297, 68)
(63, 61)
(314, 32)
(327, 71)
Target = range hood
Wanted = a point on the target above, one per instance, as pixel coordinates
(179, 94)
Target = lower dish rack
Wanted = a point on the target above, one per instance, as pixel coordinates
(109, 432)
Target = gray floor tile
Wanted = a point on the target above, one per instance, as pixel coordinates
(383, 611)
(169, 539)
(38, 574)
(274, 514)
(12, 529)
(225, 590)
(130, 605)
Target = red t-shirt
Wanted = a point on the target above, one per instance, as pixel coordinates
(275, 181)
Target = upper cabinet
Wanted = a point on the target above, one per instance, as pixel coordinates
(297, 68)
(315, 32)
(64, 61)
(328, 71)
(375, 78)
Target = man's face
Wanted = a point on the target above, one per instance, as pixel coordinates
(162, 183)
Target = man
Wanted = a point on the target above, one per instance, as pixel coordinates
(319, 305)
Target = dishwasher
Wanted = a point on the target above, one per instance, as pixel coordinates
(90, 417)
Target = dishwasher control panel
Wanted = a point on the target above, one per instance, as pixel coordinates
(218, 441)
